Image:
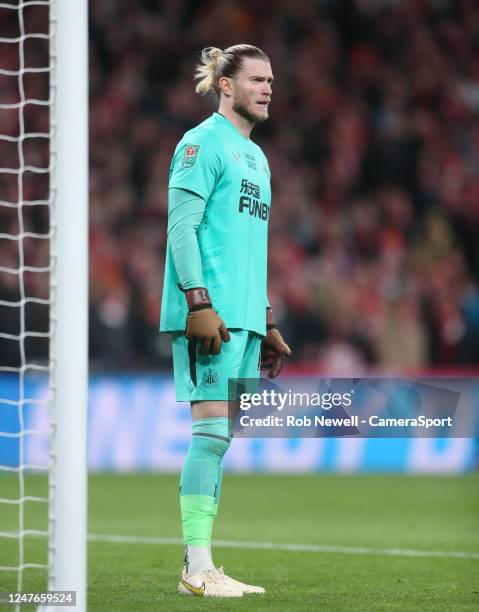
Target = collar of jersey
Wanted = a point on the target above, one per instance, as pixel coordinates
(224, 120)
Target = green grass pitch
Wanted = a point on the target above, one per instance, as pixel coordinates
(422, 513)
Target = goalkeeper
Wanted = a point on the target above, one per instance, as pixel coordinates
(214, 297)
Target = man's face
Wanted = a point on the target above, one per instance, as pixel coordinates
(251, 88)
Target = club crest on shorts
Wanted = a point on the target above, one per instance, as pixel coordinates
(210, 377)
(190, 155)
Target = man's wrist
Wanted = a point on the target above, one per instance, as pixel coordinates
(197, 298)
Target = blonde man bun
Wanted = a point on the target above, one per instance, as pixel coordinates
(206, 71)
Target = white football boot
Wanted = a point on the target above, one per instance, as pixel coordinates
(240, 586)
(207, 583)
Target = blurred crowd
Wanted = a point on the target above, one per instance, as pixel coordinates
(373, 144)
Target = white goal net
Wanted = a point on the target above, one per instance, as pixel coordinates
(35, 531)
(26, 220)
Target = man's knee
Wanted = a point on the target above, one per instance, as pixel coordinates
(214, 408)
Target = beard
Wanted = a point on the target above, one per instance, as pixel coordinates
(240, 107)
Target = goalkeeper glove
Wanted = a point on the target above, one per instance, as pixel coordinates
(203, 324)
(273, 347)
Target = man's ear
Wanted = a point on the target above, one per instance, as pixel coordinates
(225, 86)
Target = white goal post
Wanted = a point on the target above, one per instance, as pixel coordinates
(69, 325)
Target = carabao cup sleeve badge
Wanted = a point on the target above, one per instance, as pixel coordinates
(190, 155)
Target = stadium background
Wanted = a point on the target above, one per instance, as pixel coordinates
(373, 143)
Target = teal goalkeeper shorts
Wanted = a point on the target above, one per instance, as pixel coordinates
(205, 377)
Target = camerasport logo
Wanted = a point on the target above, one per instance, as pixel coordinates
(190, 155)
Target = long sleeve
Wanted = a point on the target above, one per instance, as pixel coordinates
(185, 213)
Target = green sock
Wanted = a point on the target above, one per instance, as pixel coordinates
(200, 481)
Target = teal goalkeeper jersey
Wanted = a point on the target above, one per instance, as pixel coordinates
(231, 174)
